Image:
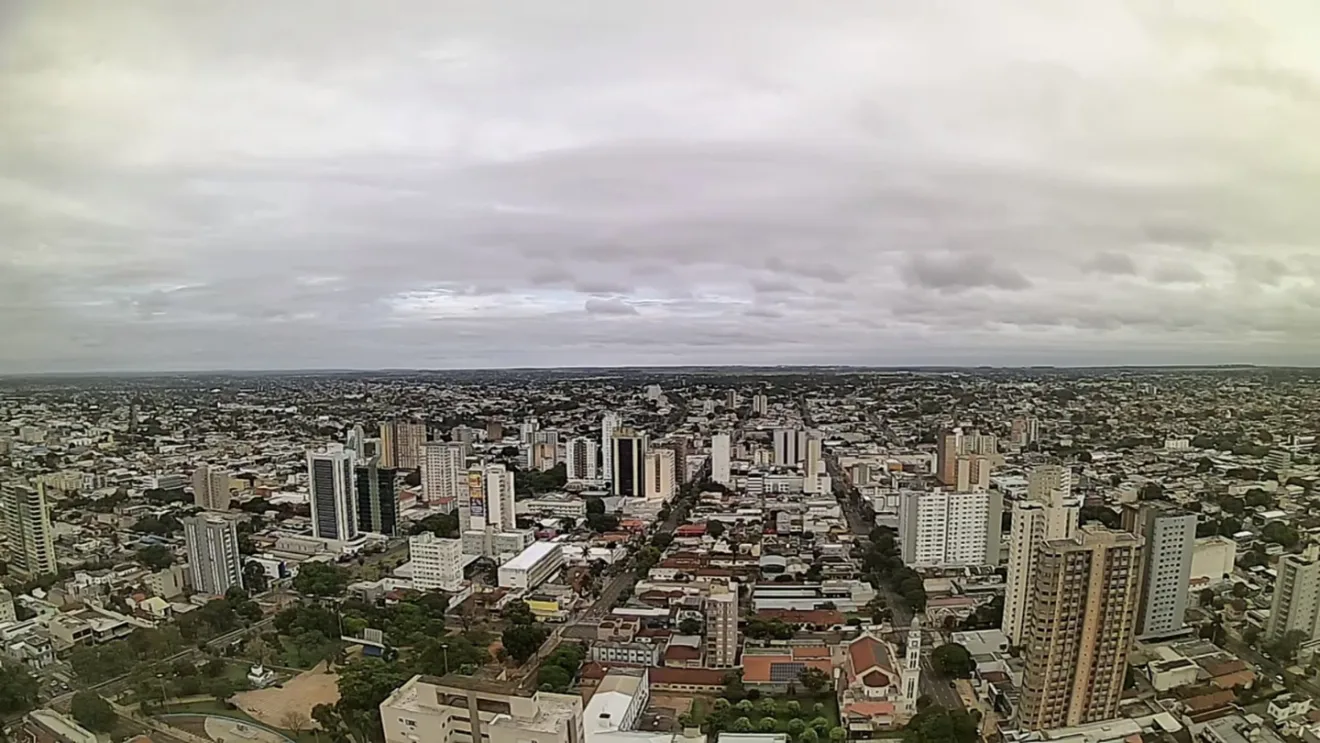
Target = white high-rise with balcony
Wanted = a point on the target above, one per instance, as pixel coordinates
(608, 424)
(719, 458)
(437, 563)
(444, 471)
(939, 528)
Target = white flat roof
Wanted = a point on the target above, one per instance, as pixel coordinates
(528, 558)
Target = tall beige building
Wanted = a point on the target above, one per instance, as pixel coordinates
(1080, 626)
(211, 488)
(1296, 605)
(401, 444)
(722, 626)
(660, 474)
(30, 542)
(1049, 512)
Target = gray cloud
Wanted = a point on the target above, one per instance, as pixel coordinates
(954, 273)
(609, 306)
(1114, 264)
(550, 185)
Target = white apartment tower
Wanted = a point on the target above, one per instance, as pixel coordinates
(581, 462)
(211, 488)
(213, 557)
(1170, 537)
(760, 404)
(1049, 512)
(333, 494)
(489, 503)
(719, 458)
(938, 528)
(28, 530)
(660, 474)
(812, 466)
(444, 471)
(437, 563)
(722, 626)
(608, 423)
(1296, 605)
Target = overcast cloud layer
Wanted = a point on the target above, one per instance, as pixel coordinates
(298, 184)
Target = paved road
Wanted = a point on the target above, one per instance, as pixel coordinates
(937, 688)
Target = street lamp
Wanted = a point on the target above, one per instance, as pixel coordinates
(444, 648)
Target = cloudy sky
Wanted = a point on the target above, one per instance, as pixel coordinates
(310, 184)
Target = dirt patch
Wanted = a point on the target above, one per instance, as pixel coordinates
(290, 708)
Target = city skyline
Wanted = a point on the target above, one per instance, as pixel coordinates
(477, 187)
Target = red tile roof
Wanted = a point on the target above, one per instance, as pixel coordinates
(825, 617)
(688, 676)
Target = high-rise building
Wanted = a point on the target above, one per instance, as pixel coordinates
(494, 431)
(1170, 537)
(28, 530)
(760, 404)
(378, 502)
(731, 399)
(972, 473)
(581, 462)
(608, 423)
(679, 445)
(389, 445)
(211, 488)
(812, 466)
(1080, 628)
(1025, 431)
(213, 557)
(411, 437)
(489, 502)
(954, 443)
(722, 625)
(437, 563)
(790, 446)
(1296, 606)
(629, 458)
(660, 474)
(444, 472)
(332, 486)
(542, 456)
(1050, 512)
(719, 459)
(357, 440)
(940, 528)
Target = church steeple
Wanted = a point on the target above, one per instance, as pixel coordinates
(912, 667)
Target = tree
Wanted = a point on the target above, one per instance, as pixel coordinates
(254, 578)
(767, 724)
(595, 505)
(809, 736)
(746, 706)
(320, 579)
(295, 721)
(156, 557)
(1240, 590)
(93, 712)
(953, 661)
(838, 735)
(1285, 649)
(1207, 597)
(689, 626)
(794, 707)
(796, 726)
(813, 679)
(553, 678)
(742, 725)
(934, 724)
(521, 641)
(18, 690)
(820, 725)
(1280, 533)
(517, 612)
(1151, 490)
(1250, 635)
(715, 528)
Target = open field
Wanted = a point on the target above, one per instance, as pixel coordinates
(282, 707)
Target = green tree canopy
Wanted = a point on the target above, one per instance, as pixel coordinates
(93, 712)
(952, 660)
